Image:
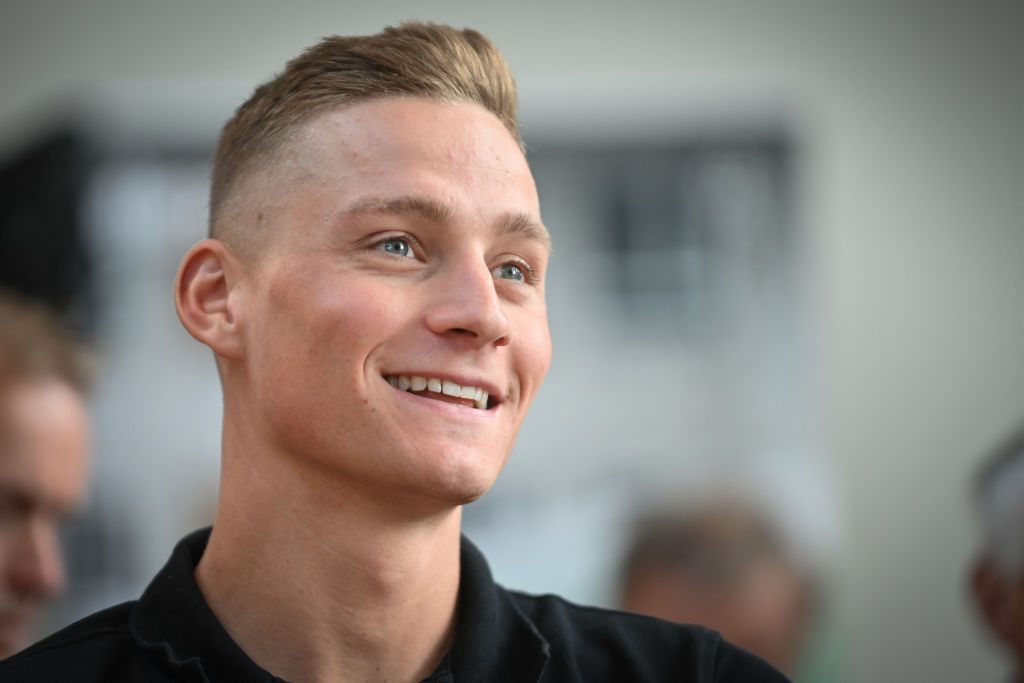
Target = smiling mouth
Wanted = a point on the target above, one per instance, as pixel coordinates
(442, 390)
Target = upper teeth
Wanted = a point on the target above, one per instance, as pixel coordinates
(440, 386)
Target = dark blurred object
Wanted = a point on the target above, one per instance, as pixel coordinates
(42, 248)
(997, 574)
(725, 566)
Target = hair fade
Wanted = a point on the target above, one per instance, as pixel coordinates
(410, 60)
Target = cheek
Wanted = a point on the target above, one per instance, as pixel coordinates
(534, 353)
(318, 331)
(309, 360)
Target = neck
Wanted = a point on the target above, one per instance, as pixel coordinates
(348, 587)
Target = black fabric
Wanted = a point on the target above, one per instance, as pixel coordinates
(170, 634)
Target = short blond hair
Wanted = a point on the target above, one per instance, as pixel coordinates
(414, 59)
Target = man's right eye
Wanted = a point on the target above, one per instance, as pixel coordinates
(396, 246)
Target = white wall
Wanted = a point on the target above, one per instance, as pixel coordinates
(913, 171)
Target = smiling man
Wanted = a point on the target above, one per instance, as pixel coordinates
(373, 289)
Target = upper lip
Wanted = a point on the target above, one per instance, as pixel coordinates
(462, 380)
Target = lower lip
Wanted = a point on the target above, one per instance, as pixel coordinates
(445, 408)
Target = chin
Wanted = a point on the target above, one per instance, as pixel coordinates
(468, 495)
(461, 490)
(458, 483)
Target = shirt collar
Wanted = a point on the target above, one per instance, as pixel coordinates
(173, 618)
(494, 640)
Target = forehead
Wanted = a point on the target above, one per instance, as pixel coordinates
(411, 142)
(43, 443)
(388, 124)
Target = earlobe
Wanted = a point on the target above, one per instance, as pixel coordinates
(204, 296)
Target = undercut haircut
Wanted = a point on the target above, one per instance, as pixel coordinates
(35, 346)
(414, 59)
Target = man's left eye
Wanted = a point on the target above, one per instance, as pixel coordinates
(510, 271)
(396, 246)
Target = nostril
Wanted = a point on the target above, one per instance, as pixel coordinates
(463, 315)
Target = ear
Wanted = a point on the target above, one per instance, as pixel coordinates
(998, 601)
(206, 292)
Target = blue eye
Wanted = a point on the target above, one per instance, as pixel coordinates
(396, 246)
(510, 271)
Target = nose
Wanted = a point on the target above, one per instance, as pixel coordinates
(466, 307)
(36, 564)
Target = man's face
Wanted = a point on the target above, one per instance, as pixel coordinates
(405, 248)
(43, 442)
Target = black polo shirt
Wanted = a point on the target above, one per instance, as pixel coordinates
(170, 634)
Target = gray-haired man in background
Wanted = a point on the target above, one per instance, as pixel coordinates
(997, 576)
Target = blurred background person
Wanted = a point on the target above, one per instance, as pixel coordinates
(997, 574)
(724, 564)
(43, 459)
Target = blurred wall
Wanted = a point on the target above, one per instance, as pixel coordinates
(913, 176)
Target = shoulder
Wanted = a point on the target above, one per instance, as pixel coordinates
(590, 643)
(99, 647)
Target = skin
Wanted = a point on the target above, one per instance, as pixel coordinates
(765, 614)
(999, 599)
(43, 471)
(404, 238)
(764, 608)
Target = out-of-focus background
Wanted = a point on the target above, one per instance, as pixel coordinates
(789, 267)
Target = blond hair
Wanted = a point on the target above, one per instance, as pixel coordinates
(411, 60)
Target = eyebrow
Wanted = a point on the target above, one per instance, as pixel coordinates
(517, 223)
(510, 223)
(24, 499)
(428, 208)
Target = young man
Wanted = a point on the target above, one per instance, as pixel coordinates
(373, 290)
(43, 460)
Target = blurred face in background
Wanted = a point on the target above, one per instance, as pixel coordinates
(43, 459)
(763, 611)
(722, 569)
